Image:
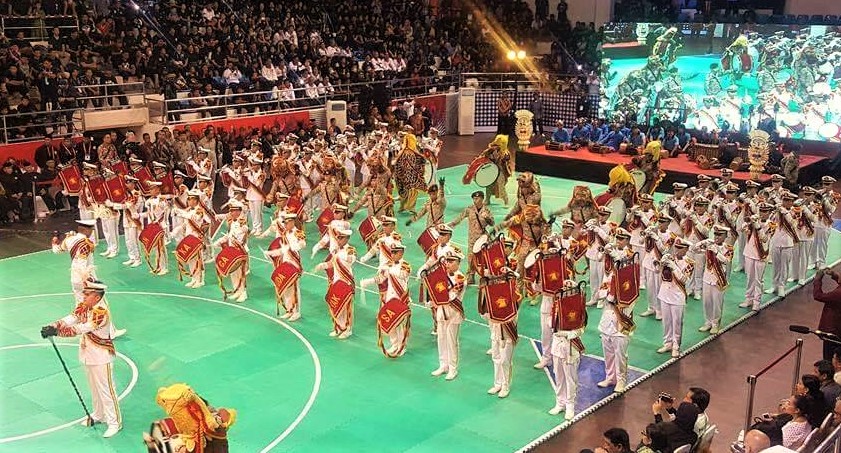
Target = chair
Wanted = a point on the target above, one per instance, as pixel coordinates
(805, 444)
(705, 442)
(826, 422)
(683, 448)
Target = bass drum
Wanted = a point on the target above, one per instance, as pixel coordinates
(164, 438)
(486, 175)
(617, 208)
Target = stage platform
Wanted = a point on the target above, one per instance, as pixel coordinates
(586, 166)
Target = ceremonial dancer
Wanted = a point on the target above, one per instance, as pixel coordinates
(528, 192)
(783, 241)
(826, 203)
(569, 319)
(287, 261)
(718, 254)
(527, 229)
(497, 152)
(233, 263)
(341, 284)
(599, 234)
(255, 177)
(189, 252)
(91, 320)
(479, 219)
(154, 235)
(132, 207)
(677, 272)
(758, 230)
(392, 278)
(409, 171)
(658, 243)
(449, 316)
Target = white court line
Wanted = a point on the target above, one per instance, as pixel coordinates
(316, 362)
(128, 389)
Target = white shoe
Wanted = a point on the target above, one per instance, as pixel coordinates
(658, 316)
(642, 286)
(128, 262)
(745, 304)
(675, 353)
(494, 390)
(738, 269)
(285, 315)
(755, 307)
(433, 332)
(191, 284)
(489, 352)
(503, 393)
(111, 431)
(570, 412)
(714, 330)
(620, 387)
(665, 348)
(199, 284)
(556, 410)
(295, 316)
(541, 364)
(769, 291)
(646, 313)
(801, 282)
(136, 263)
(590, 303)
(604, 384)
(781, 291)
(704, 328)
(119, 333)
(333, 333)
(163, 272)
(346, 334)
(242, 297)
(696, 296)
(811, 266)
(105, 253)
(112, 254)
(452, 375)
(789, 280)
(439, 371)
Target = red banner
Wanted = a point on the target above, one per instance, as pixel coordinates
(167, 185)
(568, 311)
(324, 220)
(295, 204)
(437, 282)
(493, 257)
(71, 177)
(98, 190)
(368, 231)
(625, 284)
(188, 248)
(501, 298)
(144, 175)
(151, 236)
(428, 240)
(552, 269)
(120, 167)
(116, 189)
(284, 276)
(392, 314)
(229, 259)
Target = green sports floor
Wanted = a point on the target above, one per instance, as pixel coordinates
(296, 388)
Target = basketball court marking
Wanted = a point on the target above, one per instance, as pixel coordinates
(128, 389)
(316, 361)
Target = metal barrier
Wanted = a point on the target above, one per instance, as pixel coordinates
(832, 443)
(36, 28)
(798, 348)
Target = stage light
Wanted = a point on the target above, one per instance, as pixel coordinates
(135, 6)
(511, 55)
(579, 67)
(521, 55)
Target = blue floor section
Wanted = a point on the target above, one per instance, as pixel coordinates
(590, 372)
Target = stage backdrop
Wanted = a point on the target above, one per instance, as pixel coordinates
(564, 106)
(782, 79)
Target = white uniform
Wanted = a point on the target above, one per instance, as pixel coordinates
(194, 225)
(700, 231)
(659, 244)
(328, 239)
(255, 198)
(86, 205)
(714, 286)
(638, 220)
(96, 353)
(600, 234)
(132, 208)
(382, 248)
(237, 236)
(449, 317)
(672, 297)
(824, 209)
(291, 244)
(80, 248)
(109, 217)
(806, 221)
(615, 342)
(343, 257)
(756, 257)
(157, 211)
(783, 241)
(566, 358)
(749, 209)
(395, 277)
(178, 201)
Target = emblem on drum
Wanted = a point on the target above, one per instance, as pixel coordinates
(501, 302)
(572, 316)
(626, 286)
(440, 287)
(554, 276)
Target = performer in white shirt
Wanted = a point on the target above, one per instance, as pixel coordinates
(758, 231)
(132, 207)
(783, 241)
(236, 236)
(91, 320)
(676, 271)
(448, 317)
(599, 234)
(718, 254)
(341, 281)
(658, 242)
(291, 241)
(255, 196)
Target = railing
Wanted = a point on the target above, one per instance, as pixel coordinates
(507, 80)
(752, 379)
(36, 28)
(234, 105)
(832, 443)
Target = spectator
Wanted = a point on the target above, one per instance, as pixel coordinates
(46, 152)
(756, 441)
(653, 440)
(615, 440)
(796, 430)
(825, 372)
(810, 385)
(681, 430)
(537, 110)
(830, 321)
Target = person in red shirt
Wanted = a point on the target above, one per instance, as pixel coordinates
(831, 315)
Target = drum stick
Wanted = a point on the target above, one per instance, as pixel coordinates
(76, 389)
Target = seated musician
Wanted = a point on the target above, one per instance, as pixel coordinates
(635, 142)
(560, 136)
(580, 135)
(613, 139)
(671, 144)
(727, 152)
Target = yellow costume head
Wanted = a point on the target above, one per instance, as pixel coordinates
(653, 147)
(191, 415)
(501, 141)
(618, 175)
(410, 141)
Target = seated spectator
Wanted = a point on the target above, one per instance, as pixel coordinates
(681, 430)
(831, 389)
(810, 385)
(561, 135)
(653, 440)
(756, 441)
(796, 430)
(18, 194)
(615, 440)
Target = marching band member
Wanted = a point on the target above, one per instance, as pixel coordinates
(614, 252)
(615, 328)
(827, 202)
(178, 200)
(434, 207)
(676, 270)
(292, 241)
(233, 173)
(718, 254)
(599, 232)
(91, 320)
(696, 228)
(774, 194)
(783, 241)
(236, 236)
(393, 276)
(675, 206)
(80, 247)
(255, 179)
(503, 340)
(132, 208)
(448, 318)
(639, 218)
(203, 165)
(479, 218)
(388, 237)
(432, 146)
(156, 211)
(758, 230)
(340, 294)
(806, 221)
(567, 348)
(330, 237)
(85, 201)
(195, 224)
(658, 242)
(749, 204)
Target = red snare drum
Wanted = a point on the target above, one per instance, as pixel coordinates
(428, 240)
(188, 248)
(230, 259)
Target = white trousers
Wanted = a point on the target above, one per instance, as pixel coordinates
(698, 273)
(546, 326)
(615, 349)
(713, 298)
(196, 268)
(640, 249)
(566, 378)
(740, 253)
(447, 341)
(132, 246)
(596, 277)
(754, 270)
(177, 232)
(820, 246)
(672, 324)
(652, 287)
(780, 258)
(238, 281)
(291, 299)
(800, 259)
(502, 354)
(109, 230)
(396, 336)
(345, 319)
(255, 209)
(106, 408)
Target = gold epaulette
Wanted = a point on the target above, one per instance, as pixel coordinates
(396, 236)
(351, 250)
(300, 234)
(405, 266)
